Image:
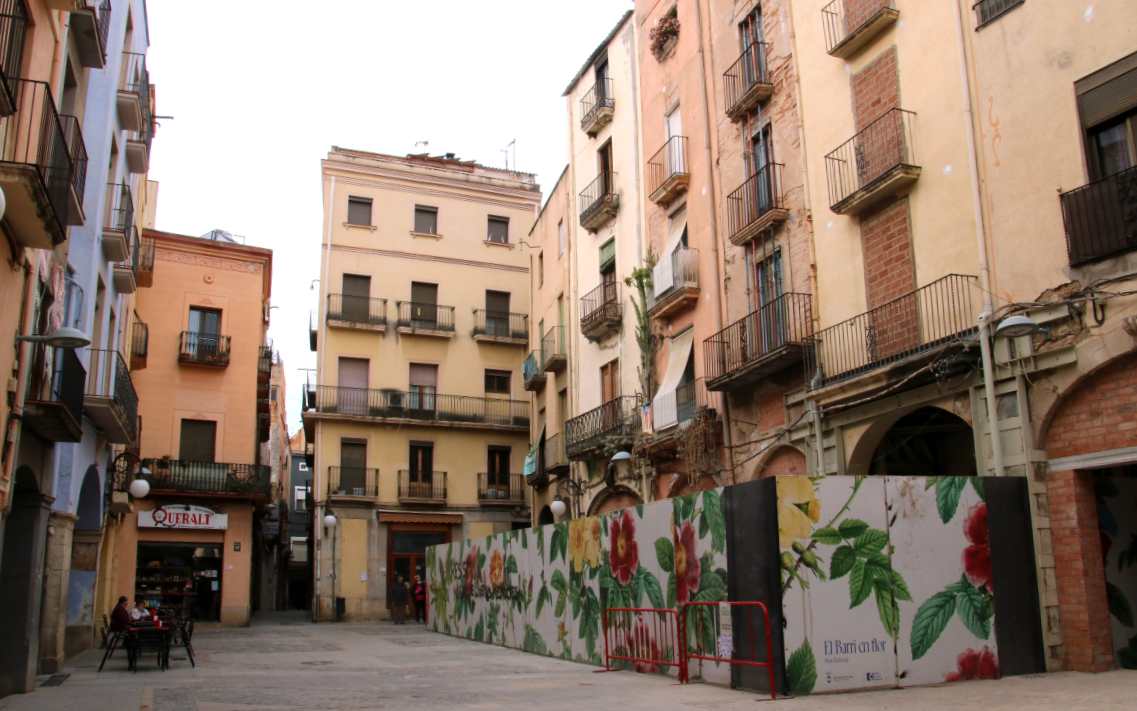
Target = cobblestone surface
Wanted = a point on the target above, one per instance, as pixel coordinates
(286, 663)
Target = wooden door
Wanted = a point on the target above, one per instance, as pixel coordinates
(424, 304)
(351, 395)
(356, 297)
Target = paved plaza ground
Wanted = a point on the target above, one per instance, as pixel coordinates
(285, 662)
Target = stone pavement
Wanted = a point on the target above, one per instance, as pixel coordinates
(284, 662)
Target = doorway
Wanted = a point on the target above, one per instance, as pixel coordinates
(1115, 492)
(927, 442)
(185, 576)
(406, 551)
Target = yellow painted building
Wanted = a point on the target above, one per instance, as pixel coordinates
(416, 411)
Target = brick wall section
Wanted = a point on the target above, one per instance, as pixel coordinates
(876, 88)
(1100, 414)
(785, 461)
(890, 272)
(858, 11)
(1082, 606)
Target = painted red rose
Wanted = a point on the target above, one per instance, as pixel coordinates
(686, 563)
(623, 555)
(975, 664)
(977, 556)
(471, 571)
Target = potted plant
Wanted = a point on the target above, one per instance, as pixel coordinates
(665, 34)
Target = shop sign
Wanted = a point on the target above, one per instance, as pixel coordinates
(183, 516)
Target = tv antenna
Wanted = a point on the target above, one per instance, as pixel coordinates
(511, 146)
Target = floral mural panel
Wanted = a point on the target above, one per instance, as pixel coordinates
(697, 573)
(1117, 517)
(839, 591)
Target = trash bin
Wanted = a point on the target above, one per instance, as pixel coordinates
(341, 608)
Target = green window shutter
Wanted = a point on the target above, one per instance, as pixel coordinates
(608, 255)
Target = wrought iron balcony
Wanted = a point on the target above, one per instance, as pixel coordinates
(554, 356)
(597, 107)
(747, 83)
(145, 271)
(422, 487)
(501, 327)
(674, 283)
(35, 166)
(126, 270)
(425, 319)
(13, 32)
(353, 483)
(357, 312)
(876, 164)
(851, 25)
(667, 174)
(53, 408)
(1101, 218)
(764, 341)
(90, 26)
(756, 206)
(601, 311)
(139, 345)
(77, 149)
(133, 99)
(532, 374)
(111, 400)
(223, 479)
(599, 202)
(210, 349)
(924, 320)
(987, 11)
(501, 489)
(613, 424)
(422, 407)
(118, 222)
(669, 410)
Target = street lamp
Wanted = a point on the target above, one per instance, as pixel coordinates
(139, 488)
(558, 507)
(1017, 325)
(330, 520)
(62, 337)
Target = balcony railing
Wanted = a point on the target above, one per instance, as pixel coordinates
(353, 481)
(930, 317)
(532, 372)
(756, 205)
(77, 149)
(682, 404)
(361, 310)
(204, 349)
(991, 10)
(90, 27)
(118, 222)
(126, 269)
(747, 83)
(759, 343)
(422, 486)
(54, 405)
(501, 489)
(599, 202)
(674, 283)
(416, 316)
(851, 25)
(597, 106)
(422, 405)
(171, 476)
(554, 356)
(111, 400)
(667, 173)
(501, 325)
(878, 162)
(615, 423)
(600, 310)
(139, 345)
(146, 261)
(13, 31)
(37, 169)
(1101, 218)
(134, 92)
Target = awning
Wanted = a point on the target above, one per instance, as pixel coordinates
(664, 407)
(407, 517)
(663, 275)
(530, 467)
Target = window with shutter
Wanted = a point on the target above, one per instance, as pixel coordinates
(359, 210)
(497, 382)
(198, 441)
(498, 229)
(426, 219)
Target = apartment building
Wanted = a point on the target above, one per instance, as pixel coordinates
(299, 516)
(416, 414)
(76, 111)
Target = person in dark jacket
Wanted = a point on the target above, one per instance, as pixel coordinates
(120, 615)
(398, 600)
(418, 595)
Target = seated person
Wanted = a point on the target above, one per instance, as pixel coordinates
(121, 615)
(139, 612)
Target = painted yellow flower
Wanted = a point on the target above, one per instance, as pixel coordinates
(584, 543)
(497, 570)
(562, 632)
(798, 510)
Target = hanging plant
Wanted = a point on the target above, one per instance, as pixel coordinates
(665, 34)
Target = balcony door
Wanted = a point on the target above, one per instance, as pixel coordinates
(497, 313)
(604, 167)
(205, 332)
(602, 80)
(424, 304)
(674, 150)
(421, 474)
(423, 387)
(771, 307)
(759, 155)
(351, 395)
(608, 281)
(609, 394)
(497, 470)
(356, 297)
(750, 37)
(353, 467)
(198, 441)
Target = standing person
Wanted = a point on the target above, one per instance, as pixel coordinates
(399, 600)
(418, 594)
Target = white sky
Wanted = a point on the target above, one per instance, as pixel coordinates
(260, 91)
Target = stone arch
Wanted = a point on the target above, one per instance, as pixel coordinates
(613, 498)
(682, 487)
(546, 516)
(783, 460)
(89, 511)
(1086, 416)
(924, 440)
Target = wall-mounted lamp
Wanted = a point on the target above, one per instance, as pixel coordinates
(62, 337)
(1017, 325)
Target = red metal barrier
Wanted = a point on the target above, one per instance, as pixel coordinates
(645, 637)
(714, 656)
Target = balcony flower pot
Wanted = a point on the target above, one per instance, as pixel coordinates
(665, 35)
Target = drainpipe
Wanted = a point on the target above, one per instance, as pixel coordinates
(984, 320)
(707, 104)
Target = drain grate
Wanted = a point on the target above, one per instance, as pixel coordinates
(55, 680)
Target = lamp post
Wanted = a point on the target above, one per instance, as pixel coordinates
(330, 522)
(128, 464)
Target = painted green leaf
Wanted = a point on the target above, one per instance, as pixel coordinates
(541, 543)
(828, 536)
(480, 629)
(1118, 604)
(979, 485)
(533, 642)
(511, 565)
(542, 598)
(703, 528)
(681, 505)
(899, 587)
(975, 611)
(637, 587)
(481, 560)
(712, 512)
(852, 527)
(888, 609)
(558, 581)
(931, 619)
(671, 590)
(589, 619)
(871, 541)
(665, 553)
(559, 609)
(860, 583)
(801, 670)
(843, 560)
(712, 588)
(948, 490)
(652, 590)
(554, 542)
